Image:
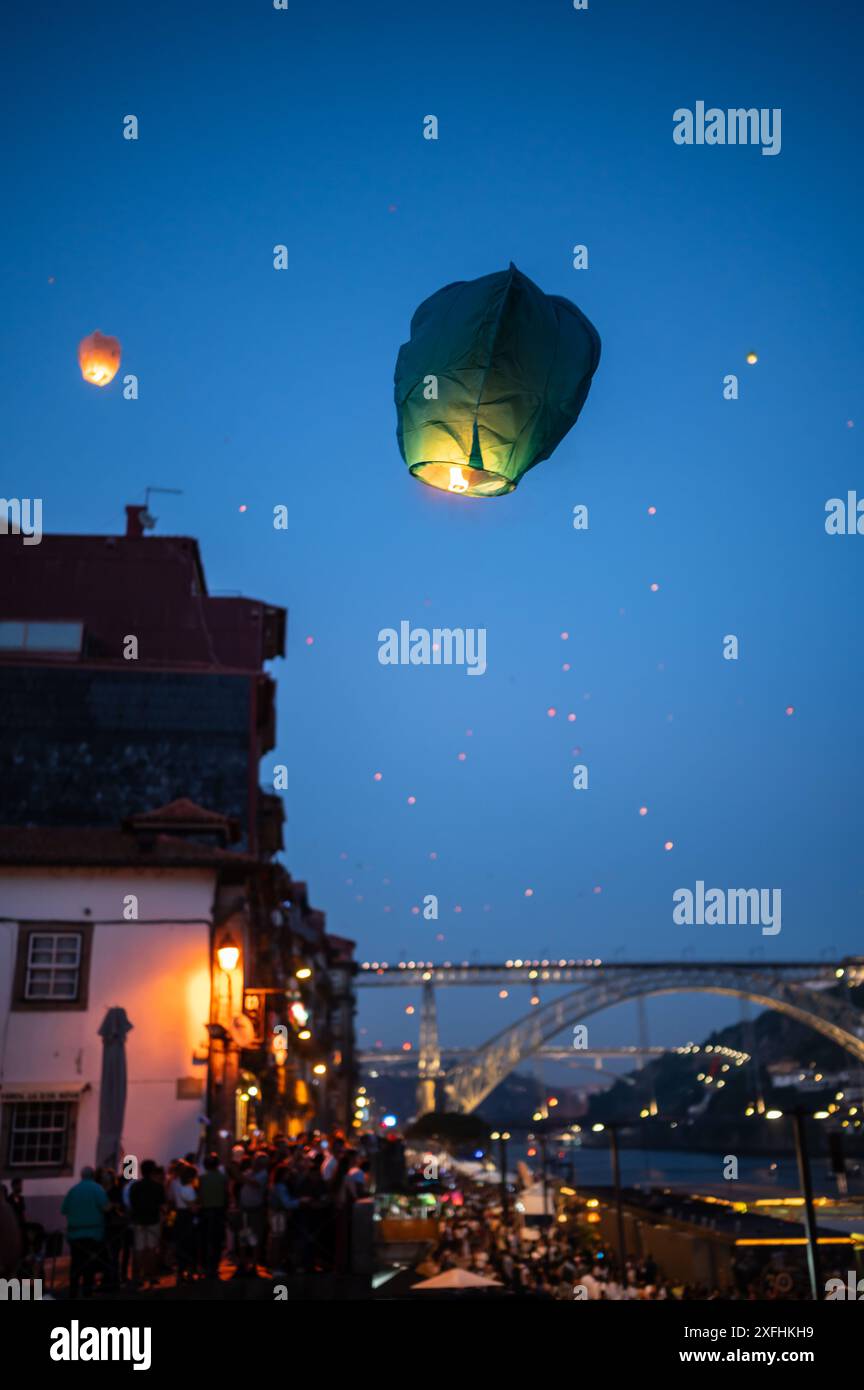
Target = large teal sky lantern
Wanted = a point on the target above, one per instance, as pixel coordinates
(493, 376)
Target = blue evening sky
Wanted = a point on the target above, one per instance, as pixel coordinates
(260, 387)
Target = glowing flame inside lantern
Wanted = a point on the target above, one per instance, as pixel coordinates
(458, 482)
(99, 358)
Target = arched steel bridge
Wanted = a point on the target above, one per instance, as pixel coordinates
(795, 988)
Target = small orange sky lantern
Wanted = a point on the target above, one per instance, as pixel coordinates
(99, 358)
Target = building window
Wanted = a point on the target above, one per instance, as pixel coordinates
(53, 966)
(38, 1134)
(50, 638)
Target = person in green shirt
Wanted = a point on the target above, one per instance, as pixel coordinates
(213, 1202)
(84, 1207)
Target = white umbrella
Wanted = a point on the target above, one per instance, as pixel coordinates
(459, 1279)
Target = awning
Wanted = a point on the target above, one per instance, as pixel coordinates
(42, 1090)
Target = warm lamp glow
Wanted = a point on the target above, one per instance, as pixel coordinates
(463, 480)
(228, 955)
(99, 358)
(319, 1069)
(304, 973)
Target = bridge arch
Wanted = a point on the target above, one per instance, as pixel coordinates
(467, 1085)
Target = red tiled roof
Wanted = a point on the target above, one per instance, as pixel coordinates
(184, 814)
(90, 847)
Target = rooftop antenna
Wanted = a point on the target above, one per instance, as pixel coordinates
(148, 521)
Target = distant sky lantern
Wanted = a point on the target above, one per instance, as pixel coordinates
(99, 358)
(493, 376)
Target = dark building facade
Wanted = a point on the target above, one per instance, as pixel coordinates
(137, 704)
(126, 686)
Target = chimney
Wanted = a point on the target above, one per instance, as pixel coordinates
(135, 517)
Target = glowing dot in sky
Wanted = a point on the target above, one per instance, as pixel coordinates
(378, 776)
(469, 733)
(309, 641)
(566, 666)
(439, 936)
(551, 711)
(850, 424)
(503, 994)
(409, 1009)
(535, 1000)
(669, 845)
(790, 709)
(752, 359)
(564, 636)
(412, 801)
(416, 911)
(433, 854)
(406, 1047)
(652, 511)
(571, 718)
(654, 588)
(457, 908)
(529, 892)
(597, 888)
(462, 757)
(242, 507)
(643, 810)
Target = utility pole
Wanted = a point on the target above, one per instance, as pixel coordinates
(616, 1179)
(809, 1211)
(543, 1152)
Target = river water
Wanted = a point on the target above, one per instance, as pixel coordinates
(689, 1172)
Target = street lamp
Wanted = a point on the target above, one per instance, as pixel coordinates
(228, 954)
(616, 1179)
(502, 1138)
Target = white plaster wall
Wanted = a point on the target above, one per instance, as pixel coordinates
(160, 974)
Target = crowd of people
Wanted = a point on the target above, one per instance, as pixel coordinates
(555, 1262)
(286, 1206)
